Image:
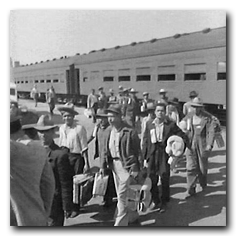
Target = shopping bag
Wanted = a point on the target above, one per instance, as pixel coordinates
(100, 185)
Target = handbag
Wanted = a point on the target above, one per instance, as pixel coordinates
(100, 185)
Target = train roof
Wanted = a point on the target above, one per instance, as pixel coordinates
(205, 39)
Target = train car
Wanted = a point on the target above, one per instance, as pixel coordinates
(180, 64)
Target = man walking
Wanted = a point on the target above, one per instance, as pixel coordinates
(155, 139)
(121, 152)
(201, 132)
(59, 159)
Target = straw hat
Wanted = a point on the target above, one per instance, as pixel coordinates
(44, 123)
(196, 102)
(69, 108)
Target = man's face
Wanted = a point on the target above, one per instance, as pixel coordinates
(103, 121)
(68, 118)
(114, 118)
(198, 110)
(160, 112)
(145, 97)
(163, 95)
(46, 136)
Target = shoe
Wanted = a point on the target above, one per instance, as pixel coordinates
(154, 206)
(109, 204)
(74, 214)
(162, 208)
(190, 193)
(135, 223)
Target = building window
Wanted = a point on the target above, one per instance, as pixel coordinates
(195, 76)
(143, 78)
(108, 79)
(55, 81)
(170, 77)
(221, 76)
(124, 78)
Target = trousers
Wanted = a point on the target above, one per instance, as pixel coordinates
(123, 216)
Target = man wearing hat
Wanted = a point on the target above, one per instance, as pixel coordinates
(59, 160)
(155, 139)
(102, 99)
(112, 98)
(32, 183)
(187, 108)
(131, 108)
(172, 110)
(145, 101)
(99, 134)
(92, 103)
(73, 136)
(201, 131)
(163, 97)
(121, 152)
(51, 99)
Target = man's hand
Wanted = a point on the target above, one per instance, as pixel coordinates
(145, 164)
(208, 148)
(134, 173)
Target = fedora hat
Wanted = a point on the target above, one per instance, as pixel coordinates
(101, 113)
(175, 146)
(196, 102)
(160, 103)
(111, 90)
(145, 93)
(162, 91)
(100, 88)
(132, 90)
(174, 101)
(193, 94)
(116, 108)
(151, 106)
(69, 108)
(44, 123)
(120, 87)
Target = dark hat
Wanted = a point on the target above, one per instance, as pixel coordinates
(100, 88)
(193, 94)
(44, 124)
(174, 101)
(68, 107)
(101, 113)
(197, 102)
(116, 108)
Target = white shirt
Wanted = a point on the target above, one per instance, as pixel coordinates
(158, 131)
(74, 138)
(114, 143)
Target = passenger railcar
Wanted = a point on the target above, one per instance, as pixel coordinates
(180, 64)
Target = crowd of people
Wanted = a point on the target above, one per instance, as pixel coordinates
(42, 172)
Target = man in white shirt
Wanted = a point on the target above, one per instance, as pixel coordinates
(74, 137)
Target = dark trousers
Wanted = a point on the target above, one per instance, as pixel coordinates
(165, 187)
(77, 163)
(111, 190)
(56, 217)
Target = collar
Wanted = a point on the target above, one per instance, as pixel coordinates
(156, 123)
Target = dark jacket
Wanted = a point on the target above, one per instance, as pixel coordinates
(155, 153)
(129, 145)
(59, 161)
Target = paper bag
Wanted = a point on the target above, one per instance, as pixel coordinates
(100, 185)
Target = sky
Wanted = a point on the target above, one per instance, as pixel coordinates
(39, 35)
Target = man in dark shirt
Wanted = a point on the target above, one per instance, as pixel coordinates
(63, 197)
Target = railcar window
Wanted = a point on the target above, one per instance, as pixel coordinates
(48, 81)
(123, 78)
(26, 82)
(195, 76)
(22, 82)
(221, 76)
(170, 77)
(108, 79)
(36, 81)
(55, 81)
(85, 78)
(41, 81)
(12, 91)
(143, 78)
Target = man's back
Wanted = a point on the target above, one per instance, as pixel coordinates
(32, 183)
